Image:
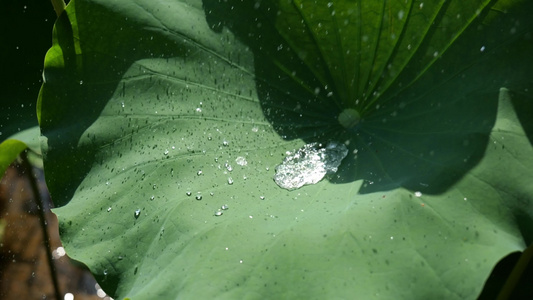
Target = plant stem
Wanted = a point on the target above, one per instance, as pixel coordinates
(59, 6)
(42, 218)
(513, 279)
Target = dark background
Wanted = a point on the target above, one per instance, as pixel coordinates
(26, 36)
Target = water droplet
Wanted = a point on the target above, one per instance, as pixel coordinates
(188, 193)
(198, 110)
(401, 13)
(199, 197)
(224, 207)
(262, 197)
(199, 172)
(152, 197)
(166, 152)
(241, 161)
(228, 167)
(309, 164)
(154, 186)
(418, 194)
(137, 213)
(230, 180)
(255, 129)
(81, 82)
(225, 143)
(109, 209)
(218, 213)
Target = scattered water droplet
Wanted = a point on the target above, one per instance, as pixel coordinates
(137, 213)
(199, 172)
(166, 152)
(225, 143)
(154, 186)
(418, 194)
(230, 180)
(309, 164)
(241, 161)
(109, 209)
(228, 167)
(224, 207)
(199, 197)
(188, 193)
(262, 197)
(152, 197)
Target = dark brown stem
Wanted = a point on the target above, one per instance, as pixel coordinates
(42, 218)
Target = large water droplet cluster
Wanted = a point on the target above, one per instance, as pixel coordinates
(309, 164)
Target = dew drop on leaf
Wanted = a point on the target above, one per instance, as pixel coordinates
(137, 213)
(241, 161)
(309, 164)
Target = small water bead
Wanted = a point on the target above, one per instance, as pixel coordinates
(418, 194)
(109, 209)
(224, 207)
(166, 152)
(241, 161)
(262, 197)
(199, 172)
(199, 197)
(230, 180)
(218, 213)
(152, 197)
(188, 193)
(228, 167)
(225, 143)
(137, 213)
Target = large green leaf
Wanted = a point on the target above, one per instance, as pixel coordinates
(148, 106)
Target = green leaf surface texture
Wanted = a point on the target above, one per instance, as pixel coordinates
(163, 123)
(15, 144)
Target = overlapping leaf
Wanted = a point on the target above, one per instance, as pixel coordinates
(155, 115)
